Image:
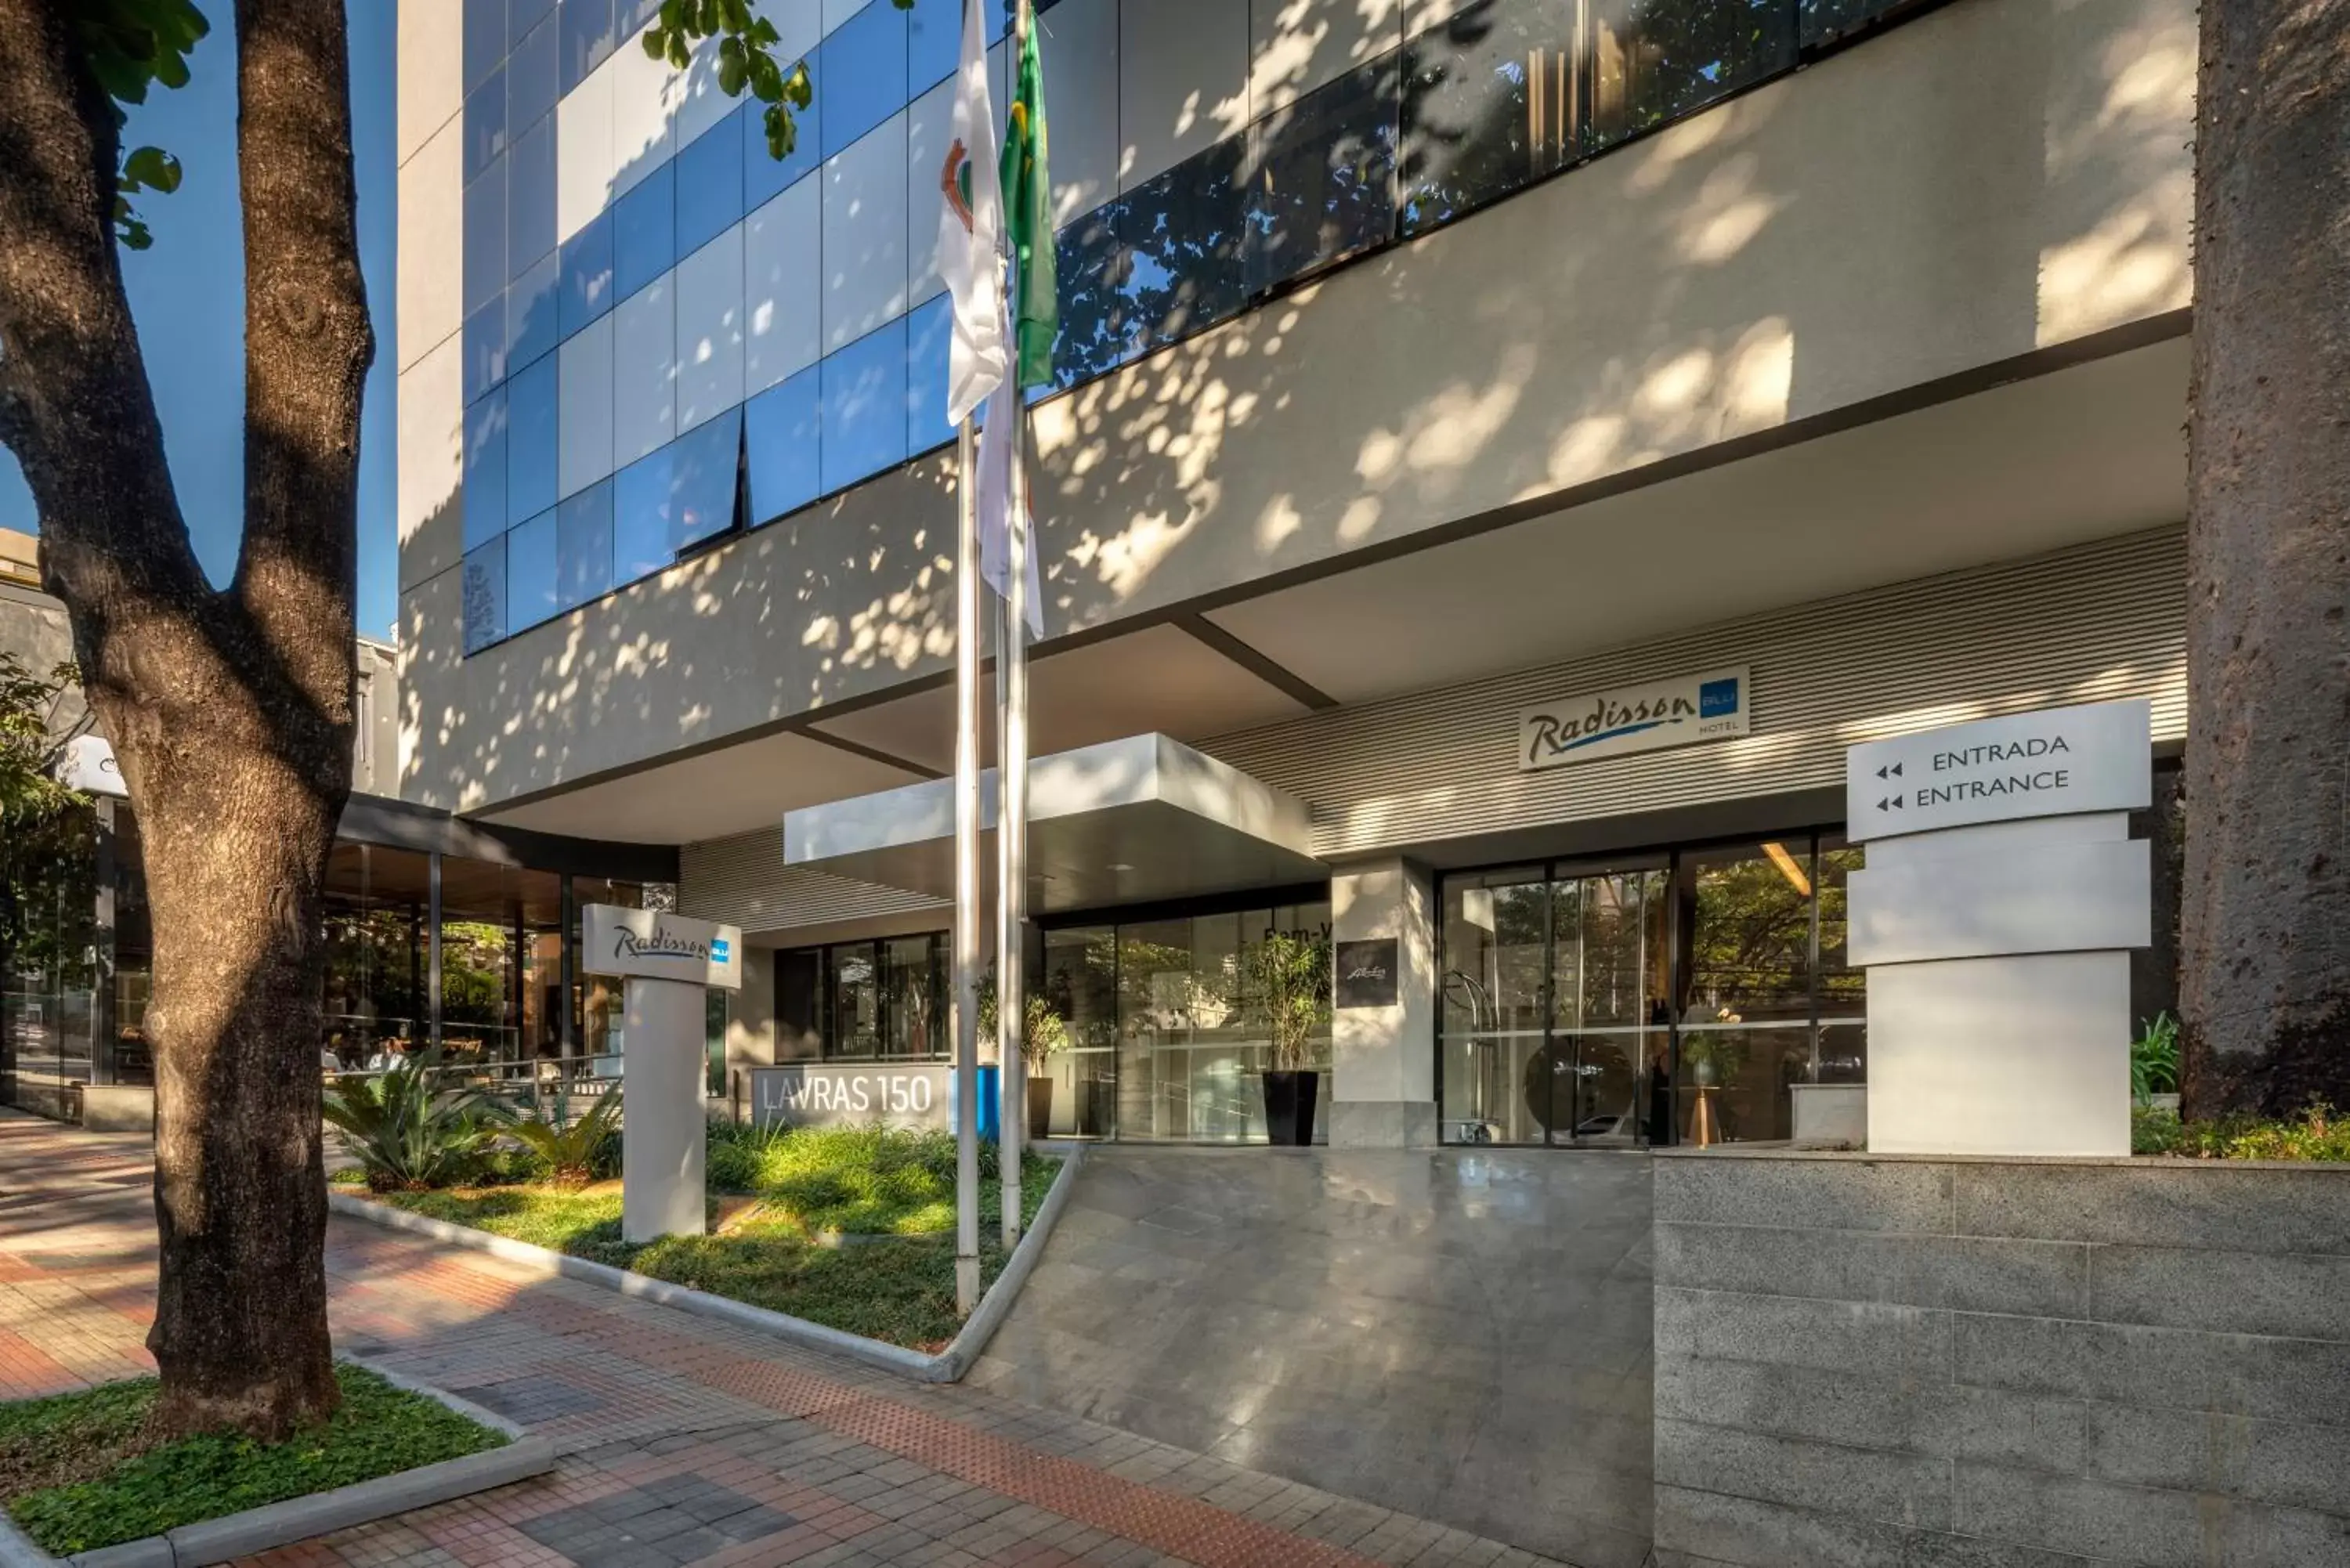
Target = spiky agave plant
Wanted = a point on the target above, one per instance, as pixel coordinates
(573, 1150)
(409, 1134)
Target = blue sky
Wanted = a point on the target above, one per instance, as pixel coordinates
(187, 295)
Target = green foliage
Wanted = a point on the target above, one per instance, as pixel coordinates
(867, 1180)
(572, 1151)
(901, 1291)
(1716, 1056)
(2154, 1060)
(1047, 1035)
(746, 59)
(406, 1131)
(1288, 992)
(2316, 1134)
(28, 704)
(130, 44)
(83, 1470)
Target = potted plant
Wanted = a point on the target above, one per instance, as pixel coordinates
(1288, 975)
(1045, 1035)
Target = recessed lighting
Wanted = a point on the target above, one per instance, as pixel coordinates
(1120, 866)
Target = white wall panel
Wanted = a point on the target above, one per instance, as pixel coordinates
(645, 94)
(583, 391)
(710, 312)
(1296, 46)
(865, 209)
(644, 370)
(700, 103)
(584, 166)
(1182, 75)
(432, 70)
(430, 287)
(1081, 101)
(431, 463)
(930, 130)
(783, 286)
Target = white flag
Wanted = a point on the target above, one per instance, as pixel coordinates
(971, 230)
(995, 505)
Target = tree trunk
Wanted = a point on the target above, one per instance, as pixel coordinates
(2265, 931)
(232, 710)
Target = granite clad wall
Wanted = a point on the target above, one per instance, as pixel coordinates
(1918, 1362)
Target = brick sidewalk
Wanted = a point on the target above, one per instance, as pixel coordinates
(682, 1440)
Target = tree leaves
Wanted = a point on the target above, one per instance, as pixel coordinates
(746, 59)
(127, 44)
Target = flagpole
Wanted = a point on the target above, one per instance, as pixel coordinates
(967, 911)
(1012, 822)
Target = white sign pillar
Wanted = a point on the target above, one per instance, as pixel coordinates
(1995, 917)
(669, 963)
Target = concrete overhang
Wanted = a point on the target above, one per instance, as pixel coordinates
(1129, 821)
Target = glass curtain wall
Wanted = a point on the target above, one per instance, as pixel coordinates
(865, 1002)
(378, 909)
(50, 959)
(1677, 999)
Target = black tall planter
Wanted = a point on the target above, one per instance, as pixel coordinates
(1289, 1107)
(1040, 1108)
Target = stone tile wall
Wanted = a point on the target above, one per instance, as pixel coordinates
(1975, 1364)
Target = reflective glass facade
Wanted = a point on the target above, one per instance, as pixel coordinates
(636, 266)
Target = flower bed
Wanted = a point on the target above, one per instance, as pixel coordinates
(2317, 1134)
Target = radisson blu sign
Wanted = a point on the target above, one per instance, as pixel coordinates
(653, 944)
(1649, 717)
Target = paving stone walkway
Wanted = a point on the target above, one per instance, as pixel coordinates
(682, 1440)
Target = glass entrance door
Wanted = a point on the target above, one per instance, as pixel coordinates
(1555, 1017)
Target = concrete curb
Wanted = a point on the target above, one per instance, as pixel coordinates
(300, 1518)
(946, 1367)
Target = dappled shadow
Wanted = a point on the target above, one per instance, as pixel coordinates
(1971, 187)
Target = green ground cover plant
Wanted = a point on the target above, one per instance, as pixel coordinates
(851, 1228)
(83, 1470)
(2317, 1134)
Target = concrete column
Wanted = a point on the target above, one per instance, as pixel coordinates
(662, 1131)
(1383, 1094)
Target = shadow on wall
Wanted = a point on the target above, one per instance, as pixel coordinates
(1956, 192)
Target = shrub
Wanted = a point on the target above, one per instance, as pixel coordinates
(2154, 1060)
(2317, 1134)
(571, 1151)
(406, 1133)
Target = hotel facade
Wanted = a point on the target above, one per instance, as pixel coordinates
(1504, 453)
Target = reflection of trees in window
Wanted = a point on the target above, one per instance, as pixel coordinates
(1750, 945)
(1321, 176)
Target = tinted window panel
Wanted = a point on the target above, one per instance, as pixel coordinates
(709, 186)
(1823, 21)
(485, 236)
(531, 433)
(860, 74)
(1180, 235)
(531, 308)
(525, 15)
(764, 176)
(641, 532)
(703, 484)
(484, 348)
(587, 286)
(644, 231)
(530, 198)
(934, 42)
(486, 123)
(583, 544)
(485, 469)
(1655, 60)
(1322, 176)
(1490, 101)
(486, 595)
(587, 39)
(930, 329)
(532, 82)
(864, 388)
(1096, 317)
(780, 436)
(532, 594)
(485, 40)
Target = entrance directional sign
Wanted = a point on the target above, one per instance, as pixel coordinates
(2059, 761)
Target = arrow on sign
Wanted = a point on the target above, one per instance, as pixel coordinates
(1894, 804)
(1895, 770)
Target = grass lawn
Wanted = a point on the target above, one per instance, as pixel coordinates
(789, 1198)
(83, 1470)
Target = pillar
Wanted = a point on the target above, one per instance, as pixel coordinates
(1383, 1053)
(663, 1134)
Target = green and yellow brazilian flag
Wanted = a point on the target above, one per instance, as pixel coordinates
(1028, 224)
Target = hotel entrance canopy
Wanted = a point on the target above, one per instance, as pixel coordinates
(1131, 821)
